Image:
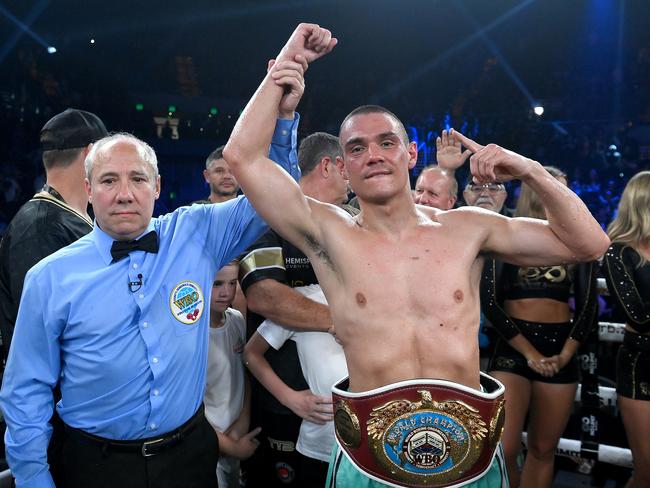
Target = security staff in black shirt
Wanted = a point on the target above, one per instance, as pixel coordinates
(54, 217)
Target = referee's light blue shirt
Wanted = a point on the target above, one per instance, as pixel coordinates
(131, 361)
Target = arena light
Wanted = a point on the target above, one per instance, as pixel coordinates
(92, 41)
(429, 66)
(51, 49)
(539, 110)
(23, 27)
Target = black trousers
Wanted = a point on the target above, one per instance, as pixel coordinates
(55, 450)
(313, 472)
(191, 463)
(276, 463)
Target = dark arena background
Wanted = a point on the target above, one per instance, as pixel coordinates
(564, 82)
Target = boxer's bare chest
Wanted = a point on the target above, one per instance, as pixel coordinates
(420, 274)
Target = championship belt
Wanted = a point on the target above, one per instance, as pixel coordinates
(421, 433)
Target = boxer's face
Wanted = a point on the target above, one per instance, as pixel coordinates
(377, 158)
(122, 191)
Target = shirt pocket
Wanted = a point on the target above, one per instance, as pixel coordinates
(186, 304)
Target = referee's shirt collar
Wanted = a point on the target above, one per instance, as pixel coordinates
(103, 241)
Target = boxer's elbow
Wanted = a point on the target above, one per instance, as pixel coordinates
(234, 153)
(603, 246)
(594, 248)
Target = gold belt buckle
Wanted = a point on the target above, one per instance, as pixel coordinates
(426, 441)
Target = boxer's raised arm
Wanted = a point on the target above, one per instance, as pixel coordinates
(275, 196)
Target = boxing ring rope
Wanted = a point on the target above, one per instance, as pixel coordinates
(610, 332)
(618, 456)
(601, 286)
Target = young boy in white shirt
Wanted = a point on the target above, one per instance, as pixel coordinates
(323, 364)
(227, 392)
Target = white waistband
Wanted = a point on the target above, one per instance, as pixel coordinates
(424, 382)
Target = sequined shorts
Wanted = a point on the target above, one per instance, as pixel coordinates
(549, 340)
(633, 367)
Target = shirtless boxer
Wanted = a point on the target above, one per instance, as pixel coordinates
(402, 282)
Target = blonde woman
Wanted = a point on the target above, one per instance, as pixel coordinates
(535, 354)
(627, 270)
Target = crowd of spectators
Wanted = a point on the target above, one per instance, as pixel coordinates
(599, 155)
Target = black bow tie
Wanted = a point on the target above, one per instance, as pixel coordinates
(147, 243)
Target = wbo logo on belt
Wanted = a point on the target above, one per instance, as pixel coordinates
(438, 439)
(420, 433)
(186, 302)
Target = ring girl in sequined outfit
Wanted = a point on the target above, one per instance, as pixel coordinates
(627, 270)
(535, 354)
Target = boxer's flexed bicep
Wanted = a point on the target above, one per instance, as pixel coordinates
(570, 234)
(524, 241)
(276, 196)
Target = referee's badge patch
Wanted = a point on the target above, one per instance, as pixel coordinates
(186, 302)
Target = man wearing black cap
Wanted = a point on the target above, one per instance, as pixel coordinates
(54, 217)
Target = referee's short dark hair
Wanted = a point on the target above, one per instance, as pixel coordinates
(315, 147)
